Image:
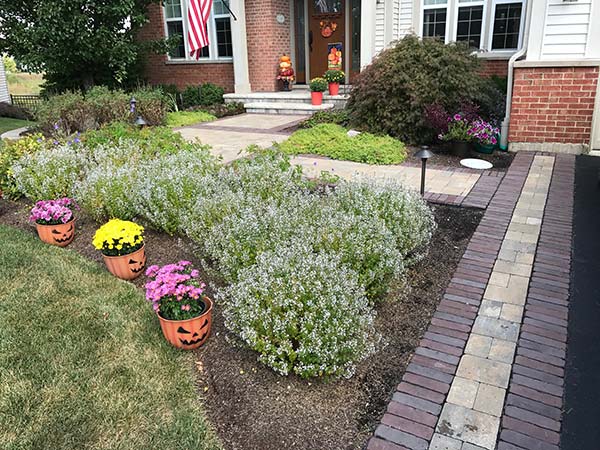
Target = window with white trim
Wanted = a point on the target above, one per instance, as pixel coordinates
(218, 27)
(493, 25)
(506, 34)
(435, 13)
(469, 25)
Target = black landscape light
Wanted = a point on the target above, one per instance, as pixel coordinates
(139, 121)
(424, 154)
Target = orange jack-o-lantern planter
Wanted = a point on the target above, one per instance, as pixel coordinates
(127, 267)
(60, 235)
(191, 333)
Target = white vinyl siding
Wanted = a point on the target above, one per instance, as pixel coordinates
(4, 96)
(566, 29)
(380, 27)
(406, 18)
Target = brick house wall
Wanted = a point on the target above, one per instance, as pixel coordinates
(498, 67)
(267, 41)
(553, 104)
(158, 70)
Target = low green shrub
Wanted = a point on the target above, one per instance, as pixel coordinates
(206, 94)
(108, 105)
(65, 113)
(224, 109)
(333, 141)
(185, 118)
(391, 95)
(152, 105)
(337, 116)
(150, 141)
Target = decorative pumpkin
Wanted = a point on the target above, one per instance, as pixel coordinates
(285, 58)
(60, 235)
(285, 73)
(188, 334)
(127, 267)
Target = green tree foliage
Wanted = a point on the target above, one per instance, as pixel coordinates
(76, 43)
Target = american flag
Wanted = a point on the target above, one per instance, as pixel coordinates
(198, 14)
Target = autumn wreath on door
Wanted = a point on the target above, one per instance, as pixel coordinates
(328, 27)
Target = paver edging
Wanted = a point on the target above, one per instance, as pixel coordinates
(532, 413)
(411, 416)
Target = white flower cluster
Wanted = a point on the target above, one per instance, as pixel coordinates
(49, 173)
(303, 266)
(304, 312)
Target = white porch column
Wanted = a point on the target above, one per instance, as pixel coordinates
(239, 45)
(367, 31)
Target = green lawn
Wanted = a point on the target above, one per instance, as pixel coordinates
(7, 124)
(185, 118)
(24, 83)
(83, 364)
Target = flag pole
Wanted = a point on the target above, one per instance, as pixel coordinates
(229, 9)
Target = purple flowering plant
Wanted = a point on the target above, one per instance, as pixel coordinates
(176, 291)
(53, 212)
(484, 132)
(458, 129)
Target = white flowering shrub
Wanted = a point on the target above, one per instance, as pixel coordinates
(405, 214)
(304, 263)
(168, 188)
(109, 191)
(49, 173)
(303, 312)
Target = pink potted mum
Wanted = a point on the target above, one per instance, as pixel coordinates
(177, 296)
(54, 221)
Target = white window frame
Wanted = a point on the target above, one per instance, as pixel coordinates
(495, 3)
(487, 24)
(484, 23)
(438, 6)
(213, 48)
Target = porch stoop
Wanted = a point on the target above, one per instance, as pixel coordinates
(297, 101)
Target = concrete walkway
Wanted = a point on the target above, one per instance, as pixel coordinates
(489, 372)
(230, 136)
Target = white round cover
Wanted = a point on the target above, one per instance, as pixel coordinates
(473, 163)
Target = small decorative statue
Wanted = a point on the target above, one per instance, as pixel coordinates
(285, 72)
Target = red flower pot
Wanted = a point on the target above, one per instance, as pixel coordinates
(127, 267)
(334, 88)
(316, 98)
(188, 334)
(60, 235)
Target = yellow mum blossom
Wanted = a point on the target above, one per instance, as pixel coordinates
(118, 232)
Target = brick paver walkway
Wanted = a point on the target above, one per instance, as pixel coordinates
(488, 373)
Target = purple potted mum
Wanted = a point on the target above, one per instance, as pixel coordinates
(54, 221)
(177, 295)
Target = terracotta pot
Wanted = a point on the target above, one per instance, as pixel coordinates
(127, 267)
(188, 334)
(60, 235)
(316, 98)
(334, 88)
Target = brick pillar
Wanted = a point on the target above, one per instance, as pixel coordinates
(552, 106)
(267, 40)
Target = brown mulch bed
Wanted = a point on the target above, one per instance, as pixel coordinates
(250, 406)
(443, 157)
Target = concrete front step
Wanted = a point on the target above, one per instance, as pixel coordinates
(295, 96)
(285, 108)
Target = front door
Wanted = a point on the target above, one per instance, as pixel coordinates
(326, 35)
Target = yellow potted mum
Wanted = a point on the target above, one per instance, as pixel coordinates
(122, 245)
